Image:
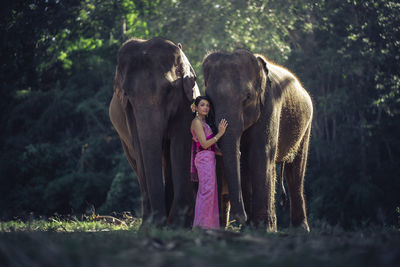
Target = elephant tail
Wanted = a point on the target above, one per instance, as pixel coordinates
(283, 196)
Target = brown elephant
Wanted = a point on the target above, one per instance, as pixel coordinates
(154, 85)
(269, 115)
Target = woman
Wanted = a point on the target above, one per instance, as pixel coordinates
(203, 163)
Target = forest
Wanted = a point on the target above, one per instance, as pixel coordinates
(61, 155)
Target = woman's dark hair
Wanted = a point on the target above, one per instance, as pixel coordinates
(210, 119)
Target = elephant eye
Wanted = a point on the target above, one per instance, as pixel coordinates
(247, 96)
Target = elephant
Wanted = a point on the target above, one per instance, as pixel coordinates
(223, 193)
(154, 85)
(269, 115)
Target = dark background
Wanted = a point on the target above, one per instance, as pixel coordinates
(60, 153)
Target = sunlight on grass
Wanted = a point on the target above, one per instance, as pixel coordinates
(95, 224)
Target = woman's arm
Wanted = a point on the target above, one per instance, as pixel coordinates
(197, 127)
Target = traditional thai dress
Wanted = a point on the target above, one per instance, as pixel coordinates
(203, 170)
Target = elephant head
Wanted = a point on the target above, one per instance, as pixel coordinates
(155, 79)
(157, 64)
(155, 84)
(236, 83)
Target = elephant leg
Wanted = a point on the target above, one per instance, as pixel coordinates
(142, 182)
(125, 127)
(283, 197)
(167, 175)
(270, 186)
(223, 195)
(263, 177)
(195, 189)
(152, 160)
(225, 209)
(295, 172)
(246, 185)
(182, 202)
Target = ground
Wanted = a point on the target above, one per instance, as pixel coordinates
(104, 242)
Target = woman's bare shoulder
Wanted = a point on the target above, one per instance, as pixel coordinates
(196, 123)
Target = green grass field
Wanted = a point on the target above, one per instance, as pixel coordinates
(107, 242)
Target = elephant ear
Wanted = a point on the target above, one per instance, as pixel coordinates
(188, 77)
(205, 70)
(265, 81)
(118, 90)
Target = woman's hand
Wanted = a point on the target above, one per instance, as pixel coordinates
(222, 127)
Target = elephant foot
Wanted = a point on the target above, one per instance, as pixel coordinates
(302, 227)
(271, 226)
(154, 221)
(225, 210)
(240, 217)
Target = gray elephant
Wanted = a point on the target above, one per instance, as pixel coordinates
(269, 115)
(154, 85)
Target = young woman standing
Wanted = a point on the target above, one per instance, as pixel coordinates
(203, 163)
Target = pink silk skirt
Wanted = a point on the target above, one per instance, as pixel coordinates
(206, 213)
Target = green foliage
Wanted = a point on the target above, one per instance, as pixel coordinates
(61, 154)
(124, 193)
(351, 151)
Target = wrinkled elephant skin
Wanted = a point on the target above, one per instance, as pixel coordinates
(269, 115)
(154, 85)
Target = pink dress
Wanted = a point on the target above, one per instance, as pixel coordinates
(206, 214)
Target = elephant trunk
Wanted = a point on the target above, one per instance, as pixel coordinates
(148, 138)
(230, 146)
(152, 160)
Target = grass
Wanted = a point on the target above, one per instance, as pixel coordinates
(102, 241)
(95, 224)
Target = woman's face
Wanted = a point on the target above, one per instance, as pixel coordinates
(203, 107)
